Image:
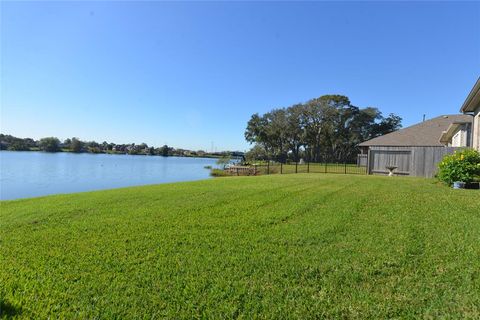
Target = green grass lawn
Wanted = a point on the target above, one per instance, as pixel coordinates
(279, 246)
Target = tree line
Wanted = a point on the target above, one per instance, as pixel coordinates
(53, 144)
(328, 128)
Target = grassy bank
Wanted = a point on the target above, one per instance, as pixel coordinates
(279, 246)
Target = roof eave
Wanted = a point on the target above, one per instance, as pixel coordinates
(473, 99)
(447, 135)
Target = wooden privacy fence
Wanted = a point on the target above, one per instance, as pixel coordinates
(414, 161)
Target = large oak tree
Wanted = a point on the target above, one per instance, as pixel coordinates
(328, 128)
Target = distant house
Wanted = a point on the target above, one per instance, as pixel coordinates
(471, 106)
(416, 150)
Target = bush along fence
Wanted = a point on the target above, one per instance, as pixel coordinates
(270, 167)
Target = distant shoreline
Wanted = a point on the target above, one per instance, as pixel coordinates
(75, 145)
(207, 156)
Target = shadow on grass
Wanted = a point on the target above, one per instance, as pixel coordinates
(7, 310)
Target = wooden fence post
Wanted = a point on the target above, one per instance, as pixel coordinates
(296, 167)
(345, 167)
(308, 167)
(325, 166)
(268, 167)
(237, 172)
(281, 168)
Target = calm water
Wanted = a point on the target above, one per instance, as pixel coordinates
(32, 174)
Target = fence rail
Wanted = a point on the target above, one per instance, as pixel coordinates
(306, 167)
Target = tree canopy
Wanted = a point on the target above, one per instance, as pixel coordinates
(50, 144)
(76, 145)
(328, 128)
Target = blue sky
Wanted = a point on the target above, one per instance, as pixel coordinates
(192, 73)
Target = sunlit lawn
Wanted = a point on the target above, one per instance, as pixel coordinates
(279, 246)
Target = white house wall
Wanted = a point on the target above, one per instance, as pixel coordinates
(461, 138)
(476, 129)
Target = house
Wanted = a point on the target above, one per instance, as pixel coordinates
(416, 150)
(471, 107)
(458, 134)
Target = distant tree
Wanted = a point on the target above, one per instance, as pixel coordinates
(104, 146)
(132, 149)
(18, 145)
(66, 143)
(76, 145)
(8, 142)
(257, 152)
(387, 125)
(270, 130)
(295, 132)
(164, 151)
(50, 144)
(93, 147)
(143, 148)
(224, 161)
(30, 143)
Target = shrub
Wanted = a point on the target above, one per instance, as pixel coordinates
(218, 173)
(460, 166)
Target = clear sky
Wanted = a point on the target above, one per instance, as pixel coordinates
(192, 73)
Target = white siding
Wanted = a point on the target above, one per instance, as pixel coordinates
(460, 138)
(476, 129)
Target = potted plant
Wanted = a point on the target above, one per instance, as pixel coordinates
(460, 168)
(459, 185)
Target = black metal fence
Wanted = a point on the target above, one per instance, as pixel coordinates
(298, 167)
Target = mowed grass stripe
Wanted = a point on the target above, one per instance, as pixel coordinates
(295, 246)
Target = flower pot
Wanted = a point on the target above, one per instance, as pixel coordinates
(458, 185)
(472, 185)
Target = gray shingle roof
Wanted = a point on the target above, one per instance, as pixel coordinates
(424, 134)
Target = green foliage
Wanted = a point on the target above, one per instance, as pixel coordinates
(76, 145)
(327, 128)
(257, 152)
(224, 161)
(50, 144)
(18, 146)
(164, 151)
(8, 142)
(299, 246)
(218, 173)
(460, 166)
(66, 143)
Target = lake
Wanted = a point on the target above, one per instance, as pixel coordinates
(32, 174)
